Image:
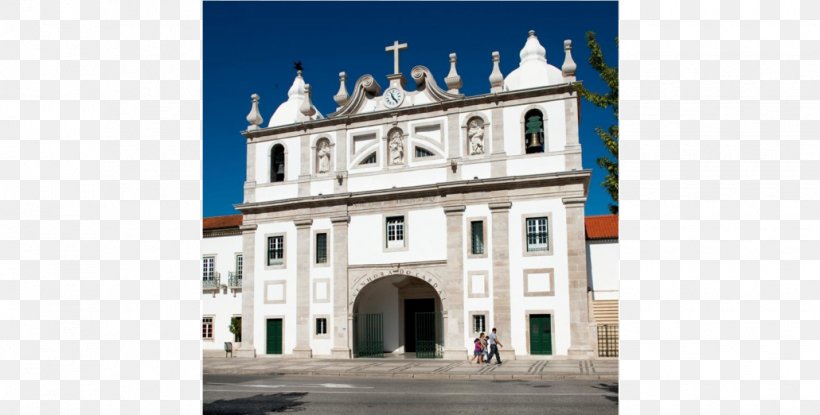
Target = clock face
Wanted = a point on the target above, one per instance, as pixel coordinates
(393, 97)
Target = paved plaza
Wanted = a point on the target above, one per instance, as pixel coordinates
(556, 369)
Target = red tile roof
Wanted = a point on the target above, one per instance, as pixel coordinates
(602, 227)
(221, 222)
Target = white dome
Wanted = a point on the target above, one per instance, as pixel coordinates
(533, 70)
(288, 112)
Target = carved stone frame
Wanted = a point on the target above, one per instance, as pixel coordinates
(326, 334)
(528, 292)
(465, 138)
(313, 249)
(284, 263)
(314, 148)
(527, 315)
(550, 235)
(469, 287)
(406, 245)
(486, 314)
(283, 283)
(469, 244)
(328, 293)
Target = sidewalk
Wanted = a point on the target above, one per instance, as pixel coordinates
(216, 364)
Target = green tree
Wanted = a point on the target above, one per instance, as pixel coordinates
(236, 328)
(605, 100)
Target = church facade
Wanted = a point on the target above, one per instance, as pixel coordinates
(409, 221)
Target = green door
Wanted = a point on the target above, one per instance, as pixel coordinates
(274, 336)
(541, 334)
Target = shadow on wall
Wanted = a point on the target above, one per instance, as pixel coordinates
(257, 405)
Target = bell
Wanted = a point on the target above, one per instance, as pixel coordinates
(534, 140)
(280, 169)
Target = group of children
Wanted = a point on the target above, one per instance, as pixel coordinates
(481, 352)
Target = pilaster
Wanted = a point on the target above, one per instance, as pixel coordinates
(340, 186)
(453, 147)
(454, 343)
(580, 345)
(572, 159)
(246, 347)
(250, 173)
(302, 348)
(304, 166)
(341, 323)
(502, 319)
(498, 163)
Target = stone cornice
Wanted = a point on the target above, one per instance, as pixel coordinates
(346, 120)
(248, 227)
(438, 189)
(454, 210)
(212, 233)
(340, 219)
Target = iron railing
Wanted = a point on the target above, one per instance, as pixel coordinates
(369, 335)
(607, 340)
(428, 335)
(234, 280)
(210, 281)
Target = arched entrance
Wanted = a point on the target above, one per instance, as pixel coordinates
(398, 315)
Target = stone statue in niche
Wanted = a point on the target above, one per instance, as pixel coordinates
(475, 134)
(323, 156)
(396, 146)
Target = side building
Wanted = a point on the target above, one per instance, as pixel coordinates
(221, 280)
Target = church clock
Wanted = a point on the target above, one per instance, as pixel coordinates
(393, 97)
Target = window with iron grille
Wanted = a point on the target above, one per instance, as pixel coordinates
(479, 323)
(239, 265)
(395, 231)
(321, 326)
(207, 328)
(321, 248)
(208, 268)
(537, 236)
(276, 250)
(477, 245)
(371, 159)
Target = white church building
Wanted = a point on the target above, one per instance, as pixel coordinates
(407, 222)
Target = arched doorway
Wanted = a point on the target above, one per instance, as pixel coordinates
(398, 316)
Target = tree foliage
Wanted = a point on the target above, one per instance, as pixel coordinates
(605, 100)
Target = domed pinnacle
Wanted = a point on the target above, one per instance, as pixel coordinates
(342, 96)
(568, 68)
(496, 78)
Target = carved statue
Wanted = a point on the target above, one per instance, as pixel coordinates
(396, 147)
(475, 132)
(323, 155)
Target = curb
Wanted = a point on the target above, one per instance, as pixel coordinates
(428, 376)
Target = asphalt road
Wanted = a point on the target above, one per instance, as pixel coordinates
(262, 395)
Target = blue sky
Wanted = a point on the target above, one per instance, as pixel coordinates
(250, 47)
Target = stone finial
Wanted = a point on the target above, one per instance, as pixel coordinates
(254, 117)
(568, 68)
(453, 80)
(307, 106)
(342, 96)
(496, 78)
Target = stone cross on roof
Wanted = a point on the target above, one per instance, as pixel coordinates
(395, 49)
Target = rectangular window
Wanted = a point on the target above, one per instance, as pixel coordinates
(321, 326)
(208, 268)
(537, 237)
(477, 245)
(478, 323)
(321, 248)
(207, 328)
(276, 250)
(395, 231)
(239, 265)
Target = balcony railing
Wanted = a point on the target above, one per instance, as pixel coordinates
(234, 280)
(210, 281)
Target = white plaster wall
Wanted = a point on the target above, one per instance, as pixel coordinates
(397, 178)
(286, 311)
(604, 269)
(426, 238)
(483, 304)
(559, 303)
(470, 171)
(555, 126)
(324, 187)
(536, 164)
(222, 305)
(321, 346)
(277, 191)
(381, 296)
